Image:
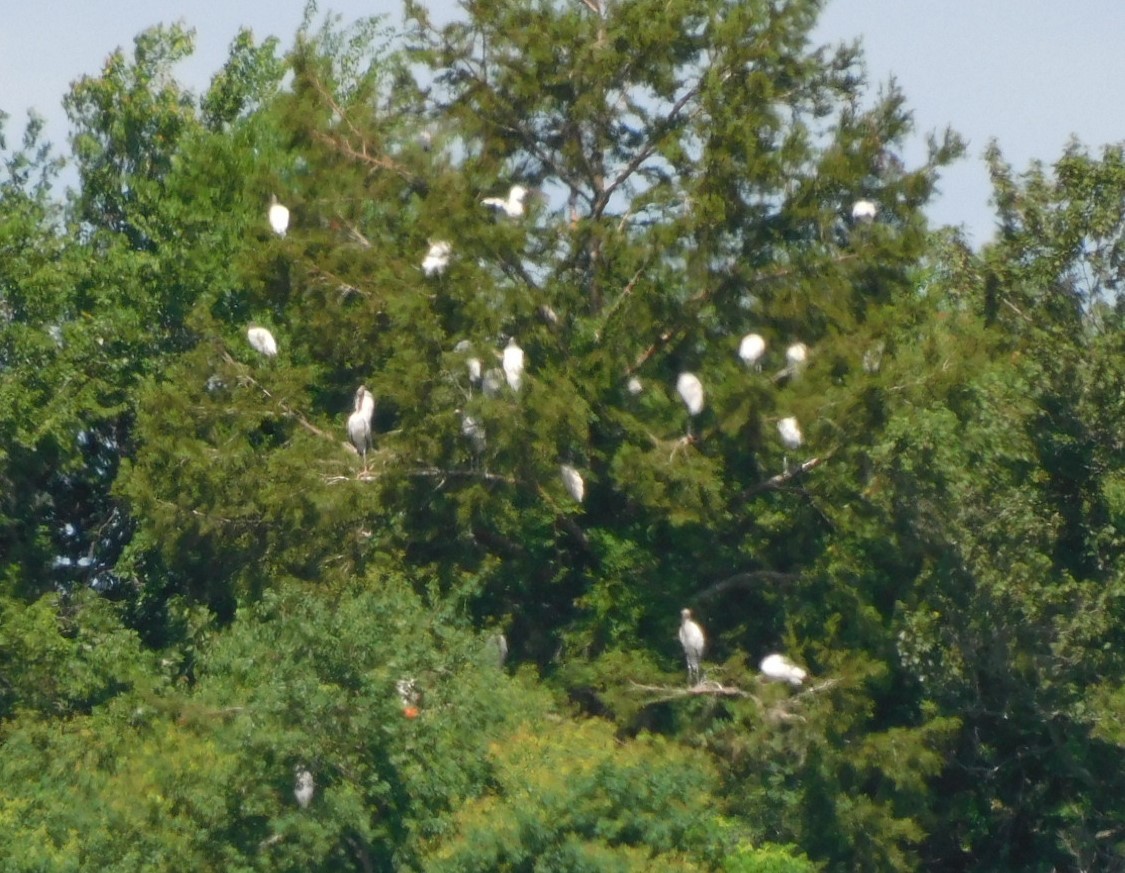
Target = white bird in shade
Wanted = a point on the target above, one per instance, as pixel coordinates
(437, 258)
(473, 363)
(572, 479)
(492, 382)
(790, 432)
(261, 340)
(513, 364)
(359, 422)
(278, 216)
(778, 668)
(513, 206)
(473, 431)
(864, 211)
(751, 349)
(691, 638)
(690, 390)
(305, 787)
(634, 386)
(796, 356)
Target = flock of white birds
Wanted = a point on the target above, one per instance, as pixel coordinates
(513, 361)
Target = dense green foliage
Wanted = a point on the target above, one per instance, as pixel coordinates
(204, 592)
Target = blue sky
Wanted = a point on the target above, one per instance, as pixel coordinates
(1030, 73)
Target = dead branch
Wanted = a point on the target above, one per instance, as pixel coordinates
(782, 478)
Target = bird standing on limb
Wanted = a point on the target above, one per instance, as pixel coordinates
(359, 422)
(278, 216)
(691, 638)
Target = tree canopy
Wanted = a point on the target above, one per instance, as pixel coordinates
(464, 644)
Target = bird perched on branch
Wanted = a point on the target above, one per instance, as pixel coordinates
(513, 362)
(437, 258)
(305, 787)
(864, 211)
(513, 206)
(690, 390)
(691, 638)
(359, 422)
(751, 349)
(572, 480)
(278, 216)
(778, 668)
(261, 340)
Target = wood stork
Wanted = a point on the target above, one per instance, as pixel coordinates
(873, 358)
(690, 390)
(513, 361)
(791, 436)
(796, 356)
(492, 382)
(751, 349)
(278, 216)
(864, 211)
(261, 340)
(359, 422)
(572, 480)
(634, 386)
(778, 668)
(513, 206)
(790, 432)
(305, 787)
(473, 431)
(437, 258)
(473, 363)
(691, 638)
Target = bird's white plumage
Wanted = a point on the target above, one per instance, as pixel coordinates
(359, 422)
(778, 668)
(475, 370)
(305, 787)
(790, 431)
(634, 386)
(796, 355)
(261, 340)
(864, 210)
(279, 217)
(492, 382)
(873, 358)
(408, 691)
(473, 431)
(513, 363)
(691, 638)
(437, 258)
(751, 349)
(513, 205)
(572, 479)
(690, 390)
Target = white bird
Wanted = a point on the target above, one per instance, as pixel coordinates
(359, 422)
(305, 787)
(778, 668)
(691, 392)
(873, 358)
(634, 386)
(500, 643)
(473, 430)
(513, 364)
(751, 349)
(437, 258)
(492, 382)
(796, 356)
(408, 691)
(864, 211)
(691, 638)
(261, 340)
(474, 364)
(278, 216)
(513, 206)
(572, 479)
(790, 432)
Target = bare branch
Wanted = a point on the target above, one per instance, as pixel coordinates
(745, 580)
(782, 478)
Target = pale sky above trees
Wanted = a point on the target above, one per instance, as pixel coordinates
(1029, 72)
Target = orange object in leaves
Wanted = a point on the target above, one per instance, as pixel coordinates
(410, 711)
